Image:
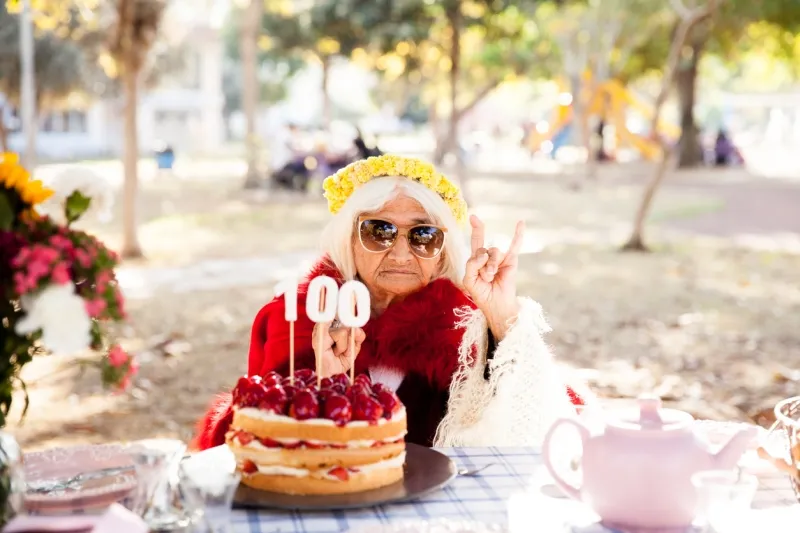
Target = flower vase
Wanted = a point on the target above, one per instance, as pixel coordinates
(12, 478)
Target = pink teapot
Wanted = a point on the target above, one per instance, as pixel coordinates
(637, 472)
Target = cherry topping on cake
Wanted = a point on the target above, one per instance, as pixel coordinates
(389, 401)
(250, 394)
(249, 467)
(363, 379)
(367, 408)
(290, 391)
(271, 379)
(238, 390)
(323, 396)
(339, 473)
(378, 387)
(341, 379)
(338, 409)
(304, 405)
(298, 383)
(274, 399)
(338, 388)
(326, 383)
(357, 389)
(306, 375)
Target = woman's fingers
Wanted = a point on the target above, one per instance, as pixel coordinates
(495, 257)
(516, 244)
(477, 234)
(475, 264)
(341, 341)
(322, 334)
(360, 336)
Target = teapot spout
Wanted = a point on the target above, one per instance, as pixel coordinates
(728, 456)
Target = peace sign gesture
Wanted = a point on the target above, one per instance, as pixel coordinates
(491, 278)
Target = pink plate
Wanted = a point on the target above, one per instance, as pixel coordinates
(63, 463)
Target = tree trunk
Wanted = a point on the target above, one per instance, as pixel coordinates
(326, 97)
(690, 153)
(130, 160)
(636, 240)
(684, 30)
(449, 143)
(248, 37)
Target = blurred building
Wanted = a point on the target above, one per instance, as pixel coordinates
(183, 108)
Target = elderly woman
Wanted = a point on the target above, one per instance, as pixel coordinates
(447, 330)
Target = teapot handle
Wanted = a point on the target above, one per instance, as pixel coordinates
(571, 491)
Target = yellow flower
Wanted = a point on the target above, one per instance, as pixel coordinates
(13, 176)
(341, 185)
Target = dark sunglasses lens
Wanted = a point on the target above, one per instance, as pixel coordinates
(426, 241)
(377, 235)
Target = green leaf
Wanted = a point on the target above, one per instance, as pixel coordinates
(76, 205)
(6, 213)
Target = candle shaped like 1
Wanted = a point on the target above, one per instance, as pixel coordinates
(288, 289)
(321, 307)
(354, 313)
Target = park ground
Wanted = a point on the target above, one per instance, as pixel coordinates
(708, 320)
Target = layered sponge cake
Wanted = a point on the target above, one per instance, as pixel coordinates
(302, 439)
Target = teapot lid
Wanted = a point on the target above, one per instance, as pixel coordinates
(651, 417)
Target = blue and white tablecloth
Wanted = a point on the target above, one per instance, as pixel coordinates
(511, 493)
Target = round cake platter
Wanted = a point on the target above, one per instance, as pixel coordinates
(426, 470)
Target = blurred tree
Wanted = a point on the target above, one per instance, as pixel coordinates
(729, 35)
(64, 64)
(322, 30)
(133, 30)
(688, 21)
(58, 68)
(249, 18)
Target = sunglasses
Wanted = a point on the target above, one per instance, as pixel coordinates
(426, 241)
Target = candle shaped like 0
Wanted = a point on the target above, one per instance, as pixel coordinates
(321, 307)
(354, 304)
(321, 299)
(353, 313)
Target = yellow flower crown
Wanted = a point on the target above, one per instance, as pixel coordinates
(14, 176)
(341, 185)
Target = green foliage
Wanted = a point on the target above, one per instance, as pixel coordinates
(738, 28)
(75, 206)
(61, 66)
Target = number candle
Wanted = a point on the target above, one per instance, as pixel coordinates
(353, 313)
(321, 307)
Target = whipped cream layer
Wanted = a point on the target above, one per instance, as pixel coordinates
(267, 416)
(351, 444)
(277, 470)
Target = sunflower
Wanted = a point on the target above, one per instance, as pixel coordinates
(15, 178)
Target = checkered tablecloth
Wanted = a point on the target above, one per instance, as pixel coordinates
(516, 484)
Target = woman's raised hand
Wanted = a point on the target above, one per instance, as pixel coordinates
(335, 357)
(491, 278)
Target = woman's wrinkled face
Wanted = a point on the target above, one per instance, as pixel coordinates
(397, 271)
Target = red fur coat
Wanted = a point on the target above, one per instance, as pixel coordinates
(415, 336)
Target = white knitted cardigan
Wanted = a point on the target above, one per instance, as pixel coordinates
(525, 392)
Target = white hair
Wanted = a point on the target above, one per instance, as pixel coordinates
(337, 237)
